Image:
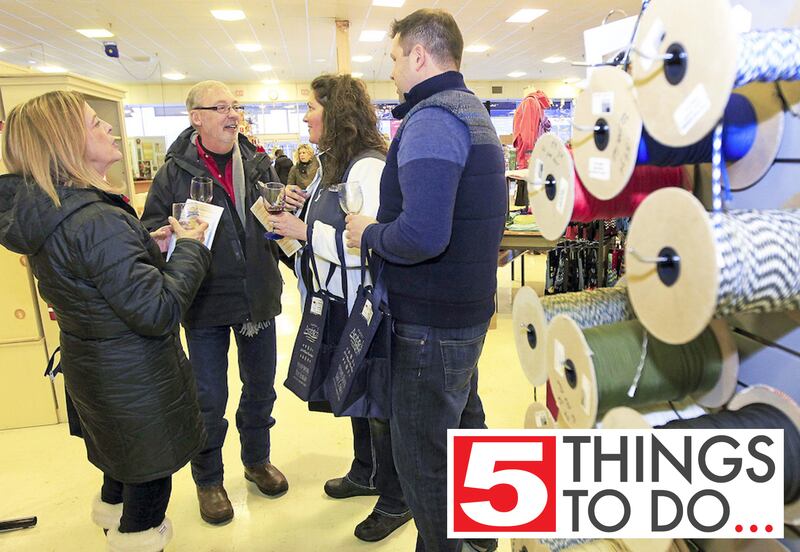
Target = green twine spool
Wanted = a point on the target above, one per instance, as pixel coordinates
(670, 372)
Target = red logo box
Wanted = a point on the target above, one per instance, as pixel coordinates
(503, 484)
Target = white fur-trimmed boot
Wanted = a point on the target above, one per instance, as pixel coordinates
(105, 515)
(152, 540)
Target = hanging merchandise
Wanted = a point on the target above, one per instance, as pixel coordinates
(686, 266)
(532, 315)
(688, 58)
(558, 195)
(757, 407)
(530, 123)
(594, 370)
(610, 140)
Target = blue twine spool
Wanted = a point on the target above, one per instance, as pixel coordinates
(738, 136)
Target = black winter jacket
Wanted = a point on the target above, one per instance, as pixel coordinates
(243, 284)
(118, 305)
(282, 166)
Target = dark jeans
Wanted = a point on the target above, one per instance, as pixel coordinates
(143, 504)
(208, 353)
(434, 388)
(373, 465)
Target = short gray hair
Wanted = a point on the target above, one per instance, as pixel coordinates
(198, 91)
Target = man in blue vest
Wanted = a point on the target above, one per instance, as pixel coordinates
(441, 218)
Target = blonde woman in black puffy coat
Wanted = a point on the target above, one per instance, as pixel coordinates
(131, 392)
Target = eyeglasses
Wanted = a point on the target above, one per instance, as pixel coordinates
(222, 109)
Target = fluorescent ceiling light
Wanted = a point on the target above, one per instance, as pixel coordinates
(320, 60)
(261, 67)
(271, 81)
(228, 15)
(356, 75)
(248, 47)
(2, 49)
(554, 59)
(174, 76)
(525, 16)
(372, 36)
(95, 33)
(389, 3)
(476, 48)
(362, 59)
(51, 69)
(517, 74)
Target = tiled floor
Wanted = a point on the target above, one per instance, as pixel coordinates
(44, 472)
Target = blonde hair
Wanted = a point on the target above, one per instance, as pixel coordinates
(46, 141)
(304, 147)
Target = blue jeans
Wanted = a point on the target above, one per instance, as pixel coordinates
(373, 466)
(208, 353)
(434, 388)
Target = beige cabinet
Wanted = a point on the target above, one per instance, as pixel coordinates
(26, 397)
(19, 309)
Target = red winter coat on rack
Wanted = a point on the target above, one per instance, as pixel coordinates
(529, 123)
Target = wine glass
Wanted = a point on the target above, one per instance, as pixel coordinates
(201, 189)
(274, 196)
(351, 198)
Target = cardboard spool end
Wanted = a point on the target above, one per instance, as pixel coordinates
(673, 311)
(605, 159)
(551, 186)
(682, 100)
(570, 371)
(530, 335)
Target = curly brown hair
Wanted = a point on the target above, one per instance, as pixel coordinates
(350, 124)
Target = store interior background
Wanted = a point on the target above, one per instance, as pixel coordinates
(43, 471)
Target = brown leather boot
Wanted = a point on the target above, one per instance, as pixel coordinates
(267, 478)
(215, 508)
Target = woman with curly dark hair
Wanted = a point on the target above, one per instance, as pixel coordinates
(342, 122)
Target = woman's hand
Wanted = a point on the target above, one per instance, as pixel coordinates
(197, 231)
(161, 237)
(289, 226)
(295, 196)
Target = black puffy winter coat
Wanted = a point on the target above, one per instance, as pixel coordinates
(119, 305)
(243, 283)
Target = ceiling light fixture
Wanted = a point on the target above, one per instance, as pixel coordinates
(372, 36)
(95, 33)
(320, 60)
(51, 69)
(2, 49)
(248, 47)
(362, 59)
(389, 3)
(554, 59)
(271, 81)
(356, 75)
(228, 15)
(525, 16)
(517, 74)
(261, 67)
(476, 48)
(174, 76)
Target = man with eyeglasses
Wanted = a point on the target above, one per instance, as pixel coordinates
(241, 292)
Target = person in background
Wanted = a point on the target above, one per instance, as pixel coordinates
(442, 213)
(130, 390)
(304, 171)
(282, 165)
(342, 122)
(241, 293)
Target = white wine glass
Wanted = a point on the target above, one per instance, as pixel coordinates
(351, 198)
(201, 189)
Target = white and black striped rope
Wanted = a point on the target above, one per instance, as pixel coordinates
(758, 253)
(590, 308)
(769, 56)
